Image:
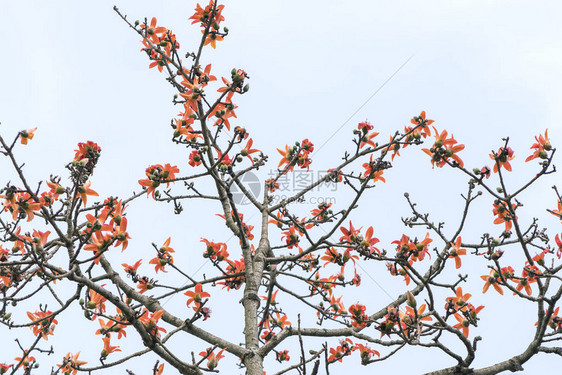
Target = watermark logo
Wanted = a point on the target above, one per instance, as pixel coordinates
(252, 184)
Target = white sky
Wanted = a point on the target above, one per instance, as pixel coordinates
(482, 69)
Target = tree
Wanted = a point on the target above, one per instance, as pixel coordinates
(55, 244)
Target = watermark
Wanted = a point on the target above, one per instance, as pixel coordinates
(252, 184)
(277, 198)
(289, 185)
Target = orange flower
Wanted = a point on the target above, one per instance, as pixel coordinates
(56, 189)
(467, 318)
(344, 349)
(282, 355)
(213, 38)
(71, 364)
(358, 316)
(215, 251)
(96, 302)
(195, 158)
(196, 296)
(23, 206)
(212, 358)
(528, 276)
(107, 348)
(557, 212)
(458, 302)
(132, 270)
(164, 257)
(503, 214)
(26, 135)
(271, 185)
(144, 284)
(280, 321)
(87, 152)
(248, 150)
(558, 240)
(463, 324)
(235, 266)
(39, 239)
(371, 172)
(84, 190)
(158, 174)
(443, 149)
(204, 15)
(26, 360)
(121, 235)
(151, 323)
(410, 320)
(502, 158)
(99, 243)
(366, 353)
(292, 237)
(423, 123)
(541, 147)
(455, 252)
(44, 323)
(366, 137)
(152, 30)
(492, 280)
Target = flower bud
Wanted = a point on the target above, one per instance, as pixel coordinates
(411, 300)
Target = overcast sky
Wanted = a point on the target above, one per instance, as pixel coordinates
(482, 69)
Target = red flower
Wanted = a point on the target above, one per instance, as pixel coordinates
(195, 158)
(504, 215)
(371, 172)
(502, 158)
(358, 316)
(541, 147)
(282, 355)
(87, 153)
